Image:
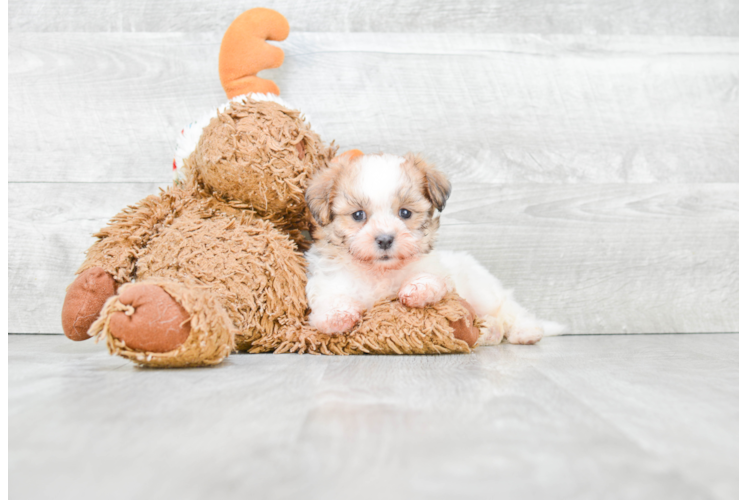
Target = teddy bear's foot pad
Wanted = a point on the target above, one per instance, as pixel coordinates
(464, 328)
(153, 321)
(84, 299)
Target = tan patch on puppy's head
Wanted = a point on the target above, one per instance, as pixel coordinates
(324, 186)
(435, 184)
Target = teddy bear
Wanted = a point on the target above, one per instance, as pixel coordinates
(214, 264)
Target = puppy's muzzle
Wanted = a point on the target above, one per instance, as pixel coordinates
(384, 241)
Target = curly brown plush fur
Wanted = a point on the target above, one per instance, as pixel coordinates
(195, 235)
(257, 156)
(225, 247)
(254, 269)
(387, 328)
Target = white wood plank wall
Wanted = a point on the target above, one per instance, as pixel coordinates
(643, 17)
(593, 146)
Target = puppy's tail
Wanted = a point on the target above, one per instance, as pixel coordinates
(551, 328)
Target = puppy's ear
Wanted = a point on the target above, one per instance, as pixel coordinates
(319, 195)
(321, 188)
(436, 185)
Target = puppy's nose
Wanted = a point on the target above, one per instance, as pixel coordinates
(384, 241)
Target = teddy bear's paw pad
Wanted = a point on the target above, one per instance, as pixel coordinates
(84, 299)
(525, 333)
(153, 321)
(422, 290)
(464, 328)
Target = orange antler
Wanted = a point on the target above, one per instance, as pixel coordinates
(244, 52)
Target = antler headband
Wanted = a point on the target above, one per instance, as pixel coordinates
(245, 52)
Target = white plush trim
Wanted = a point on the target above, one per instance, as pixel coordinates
(190, 135)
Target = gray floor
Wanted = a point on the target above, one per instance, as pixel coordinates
(637, 416)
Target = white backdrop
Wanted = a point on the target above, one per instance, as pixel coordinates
(593, 146)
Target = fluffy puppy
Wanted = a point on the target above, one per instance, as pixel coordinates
(374, 233)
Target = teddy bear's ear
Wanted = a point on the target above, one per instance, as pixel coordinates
(436, 185)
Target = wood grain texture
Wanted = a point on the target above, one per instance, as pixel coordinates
(495, 108)
(605, 17)
(50, 227)
(618, 258)
(743, 266)
(625, 417)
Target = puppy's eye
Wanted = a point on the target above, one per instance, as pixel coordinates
(405, 213)
(359, 216)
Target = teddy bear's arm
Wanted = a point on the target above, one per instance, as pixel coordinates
(120, 242)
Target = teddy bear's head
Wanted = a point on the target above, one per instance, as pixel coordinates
(260, 155)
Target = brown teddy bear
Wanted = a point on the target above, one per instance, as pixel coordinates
(215, 263)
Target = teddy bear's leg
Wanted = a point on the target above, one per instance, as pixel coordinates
(163, 323)
(83, 301)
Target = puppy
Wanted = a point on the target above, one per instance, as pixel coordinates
(374, 233)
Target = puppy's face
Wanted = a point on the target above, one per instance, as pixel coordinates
(378, 208)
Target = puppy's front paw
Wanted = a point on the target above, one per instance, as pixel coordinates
(422, 290)
(525, 333)
(340, 318)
